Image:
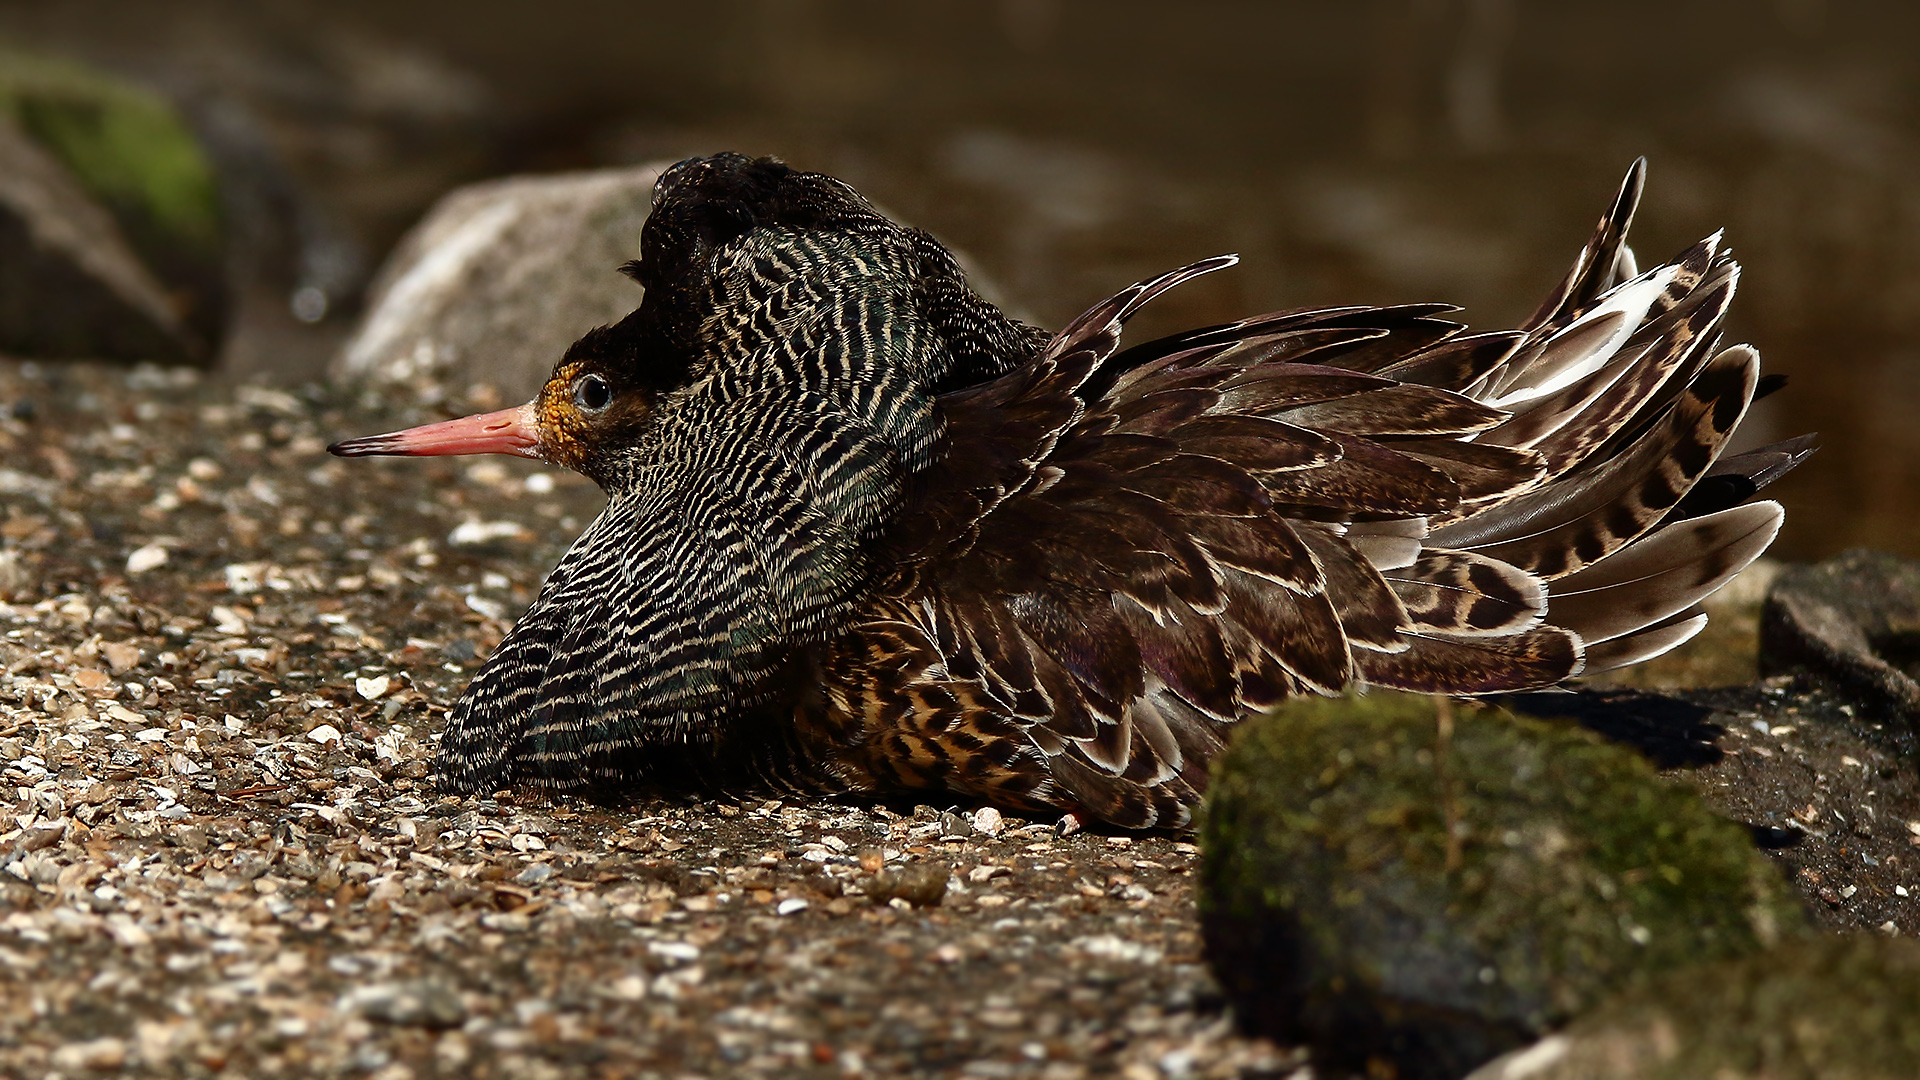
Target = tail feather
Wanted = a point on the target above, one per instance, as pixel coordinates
(1579, 350)
(1568, 425)
(1580, 520)
(1390, 544)
(1665, 573)
(1603, 261)
(1485, 473)
(1645, 644)
(1629, 516)
(1456, 363)
(1733, 480)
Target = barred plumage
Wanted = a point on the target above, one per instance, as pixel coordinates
(865, 533)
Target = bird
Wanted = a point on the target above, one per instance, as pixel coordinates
(867, 535)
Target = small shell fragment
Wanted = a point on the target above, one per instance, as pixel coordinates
(987, 821)
(146, 558)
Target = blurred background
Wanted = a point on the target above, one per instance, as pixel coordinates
(1385, 151)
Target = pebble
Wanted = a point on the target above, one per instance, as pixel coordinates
(987, 821)
(492, 609)
(245, 578)
(481, 532)
(143, 559)
(680, 951)
(372, 689)
(793, 905)
(228, 621)
(413, 1002)
(100, 1054)
(121, 656)
(324, 733)
(920, 884)
(954, 826)
(1110, 947)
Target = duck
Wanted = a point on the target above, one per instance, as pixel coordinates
(867, 535)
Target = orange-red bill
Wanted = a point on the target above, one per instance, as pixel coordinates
(509, 431)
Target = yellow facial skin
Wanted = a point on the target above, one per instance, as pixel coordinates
(569, 435)
(562, 425)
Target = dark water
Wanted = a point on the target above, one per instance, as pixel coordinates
(1399, 150)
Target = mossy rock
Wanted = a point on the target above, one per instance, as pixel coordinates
(1823, 1009)
(132, 153)
(123, 143)
(1337, 910)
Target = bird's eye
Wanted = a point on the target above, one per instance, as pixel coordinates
(591, 394)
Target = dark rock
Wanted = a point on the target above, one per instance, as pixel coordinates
(71, 284)
(138, 158)
(1425, 895)
(1819, 1008)
(1855, 619)
(500, 278)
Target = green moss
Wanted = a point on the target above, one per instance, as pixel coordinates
(124, 144)
(1338, 909)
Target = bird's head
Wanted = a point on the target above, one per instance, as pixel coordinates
(735, 253)
(597, 399)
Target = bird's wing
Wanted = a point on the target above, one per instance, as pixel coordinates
(1123, 551)
(488, 730)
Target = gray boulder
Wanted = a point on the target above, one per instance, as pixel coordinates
(499, 279)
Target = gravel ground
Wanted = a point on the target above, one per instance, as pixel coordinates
(223, 661)
(1839, 785)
